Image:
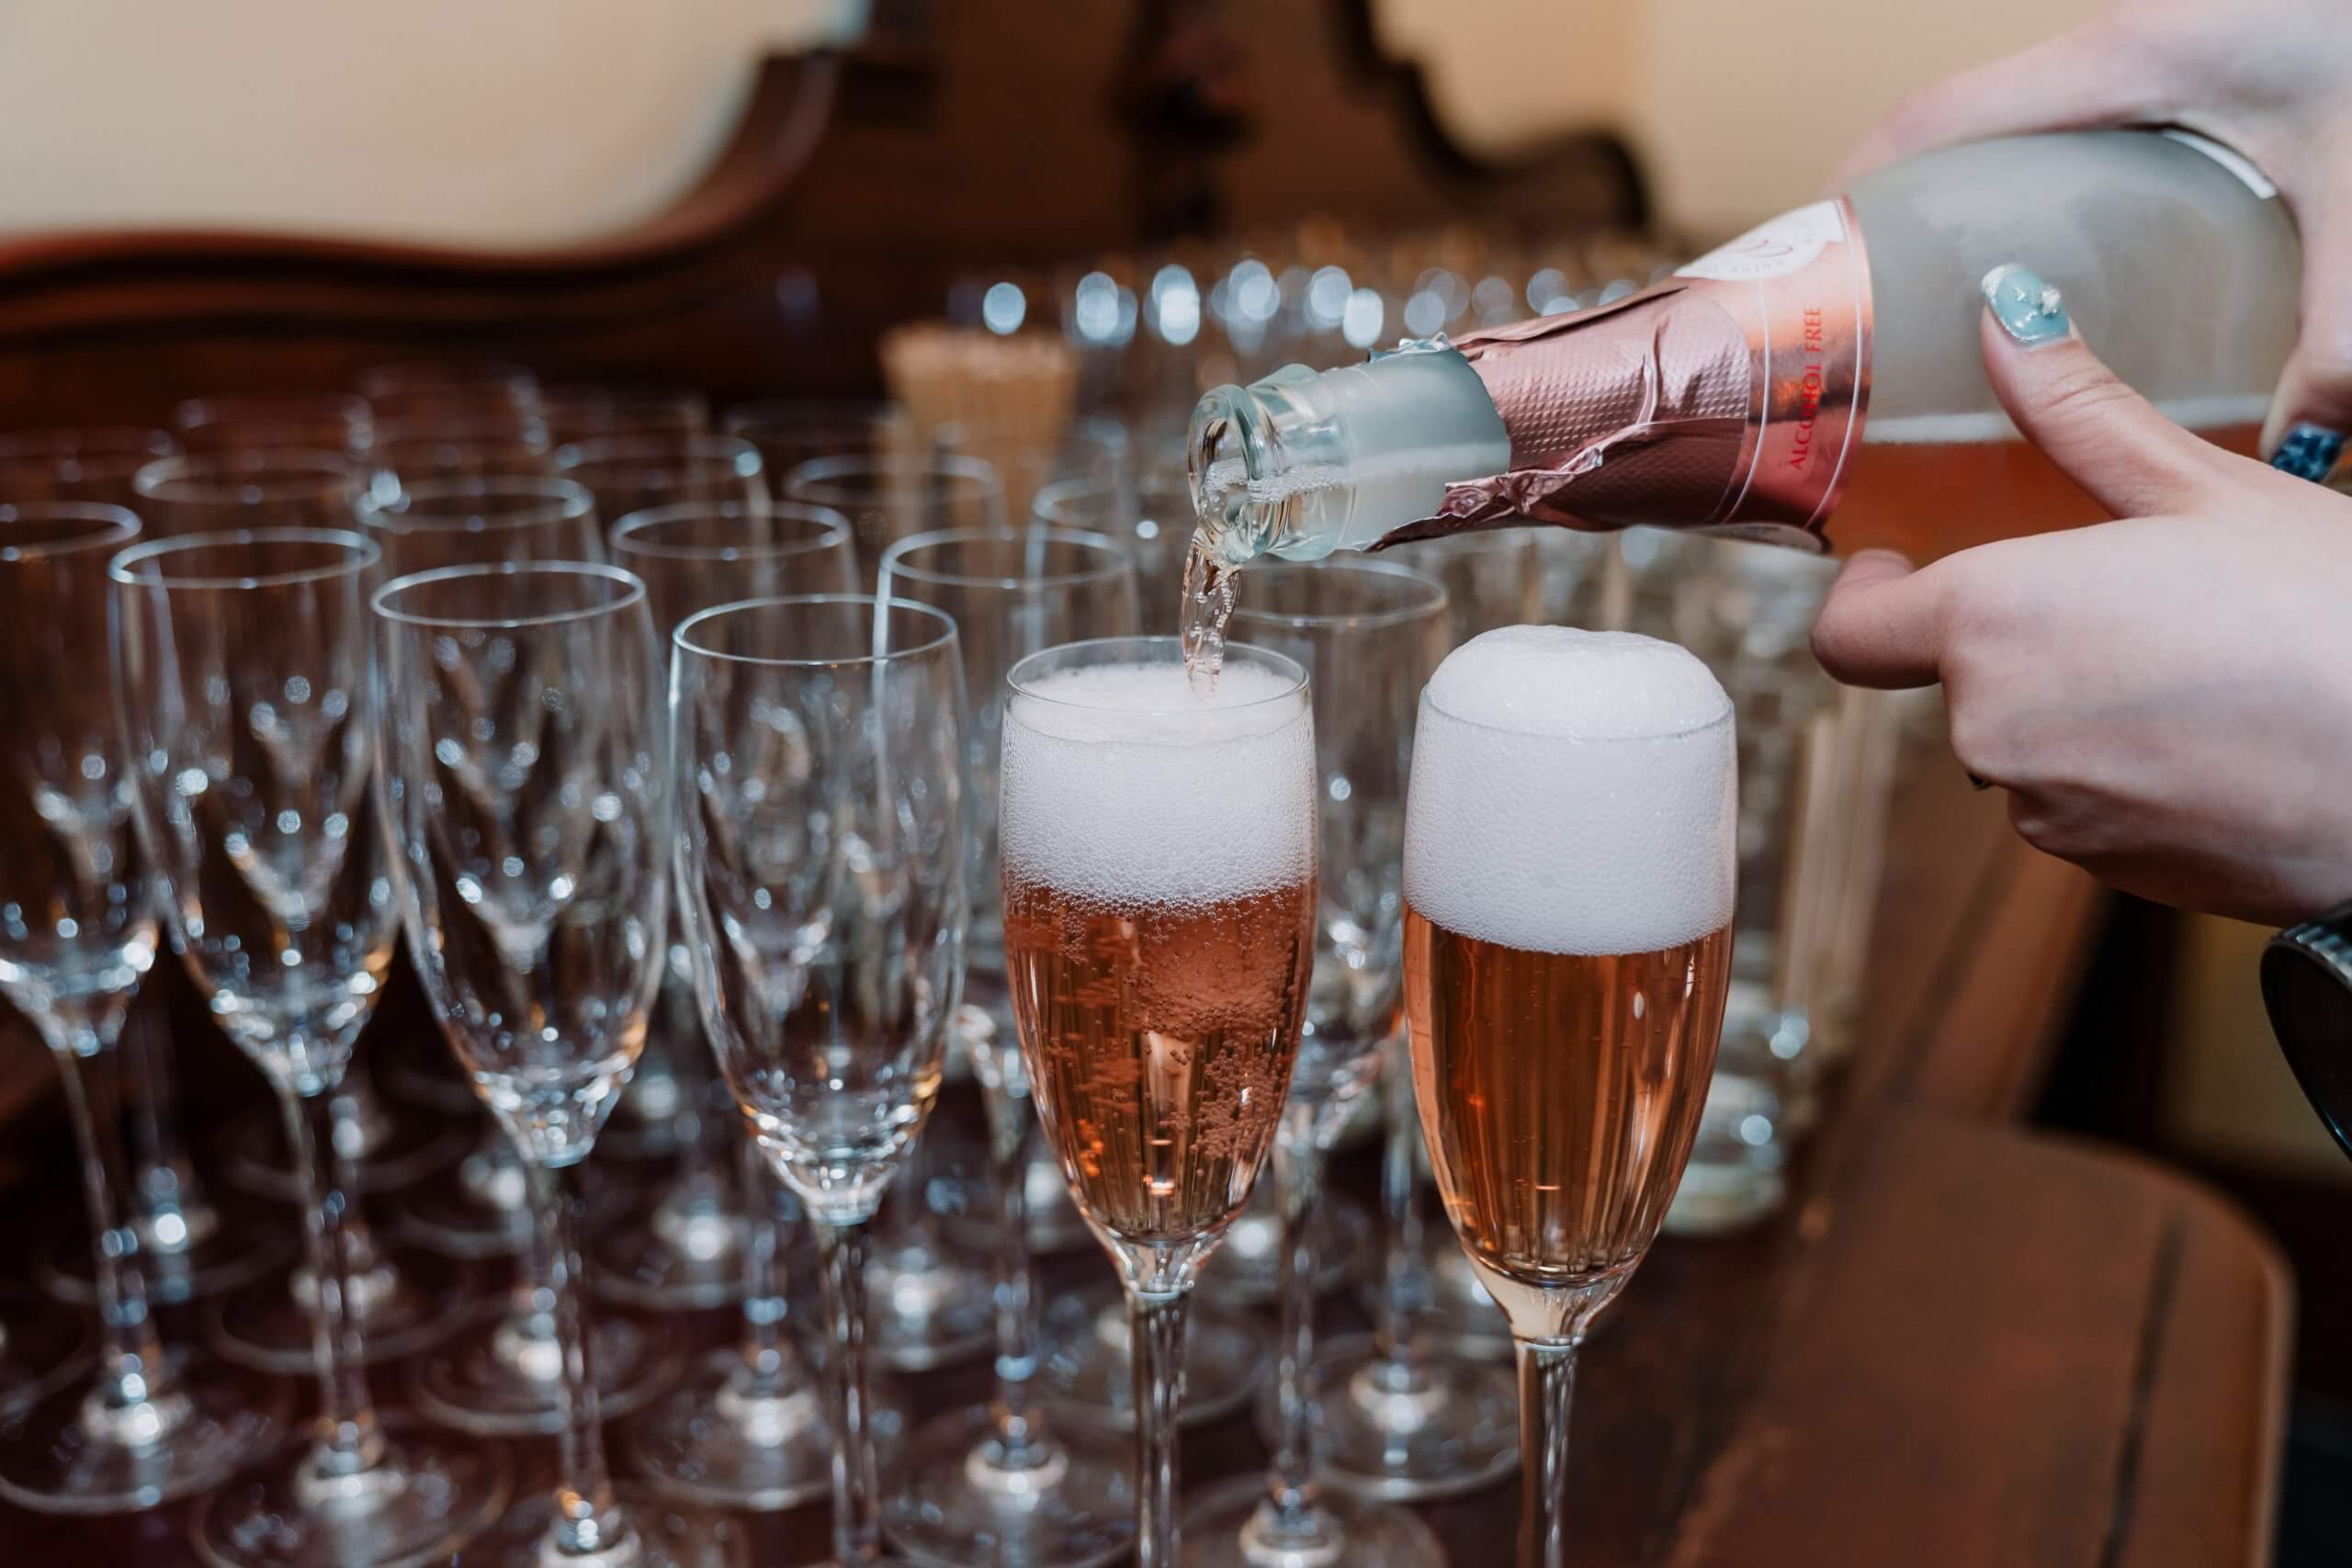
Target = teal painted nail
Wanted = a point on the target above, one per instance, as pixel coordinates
(2028, 308)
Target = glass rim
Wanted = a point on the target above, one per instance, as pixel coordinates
(1059, 490)
(210, 478)
(820, 479)
(560, 501)
(120, 526)
(1433, 604)
(651, 451)
(631, 585)
(1018, 683)
(944, 638)
(1720, 721)
(623, 536)
(65, 443)
(188, 412)
(1120, 560)
(402, 378)
(363, 558)
(806, 413)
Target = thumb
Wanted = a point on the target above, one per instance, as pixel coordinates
(2312, 412)
(2108, 438)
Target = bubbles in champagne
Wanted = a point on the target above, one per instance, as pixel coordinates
(1122, 785)
(1573, 791)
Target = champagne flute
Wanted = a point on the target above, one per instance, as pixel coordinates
(79, 463)
(485, 392)
(244, 689)
(1158, 875)
(1151, 515)
(1569, 863)
(432, 523)
(152, 1426)
(889, 497)
(587, 411)
(744, 1429)
(991, 1484)
(821, 863)
(307, 422)
(792, 431)
(1369, 634)
(524, 781)
(272, 1326)
(460, 445)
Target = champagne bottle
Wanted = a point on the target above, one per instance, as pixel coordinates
(1817, 380)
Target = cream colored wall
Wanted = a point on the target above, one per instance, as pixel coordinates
(489, 122)
(1740, 108)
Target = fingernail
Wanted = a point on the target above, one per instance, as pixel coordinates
(2028, 310)
(2308, 451)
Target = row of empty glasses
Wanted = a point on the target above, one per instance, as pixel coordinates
(1402, 1414)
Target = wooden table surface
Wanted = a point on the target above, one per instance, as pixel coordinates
(1960, 1342)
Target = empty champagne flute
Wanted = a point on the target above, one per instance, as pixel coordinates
(889, 497)
(1157, 863)
(992, 1485)
(80, 934)
(629, 473)
(459, 447)
(79, 463)
(1150, 514)
(1569, 863)
(1369, 634)
(792, 431)
(302, 422)
(272, 1326)
(821, 863)
(244, 692)
(587, 411)
(744, 1429)
(526, 783)
(466, 521)
(449, 389)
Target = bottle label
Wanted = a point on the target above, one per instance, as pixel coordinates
(1728, 398)
(1786, 244)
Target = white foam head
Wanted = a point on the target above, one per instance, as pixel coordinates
(1119, 784)
(1573, 791)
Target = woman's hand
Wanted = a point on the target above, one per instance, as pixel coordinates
(2167, 698)
(2271, 78)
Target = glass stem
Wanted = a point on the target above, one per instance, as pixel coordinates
(166, 1181)
(1290, 1485)
(348, 1442)
(1547, 1383)
(588, 1521)
(1404, 1283)
(769, 1211)
(857, 1521)
(1156, 1324)
(1013, 1123)
(132, 1373)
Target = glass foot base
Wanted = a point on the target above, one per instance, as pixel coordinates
(1086, 1380)
(701, 1442)
(1248, 1268)
(430, 1496)
(929, 1307)
(662, 1535)
(494, 1382)
(43, 1348)
(55, 1459)
(444, 1216)
(1444, 1427)
(639, 1262)
(414, 1147)
(233, 1253)
(955, 1509)
(268, 1326)
(1223, 1527)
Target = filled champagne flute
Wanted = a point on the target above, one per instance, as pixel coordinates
(1157, 864)
(744, 1429)
(1569, 864)
(244, 691)
(151, 1425)
(526, 782)
(992, 1487)
(821, 867)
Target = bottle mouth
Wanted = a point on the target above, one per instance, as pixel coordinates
(1225, 455)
